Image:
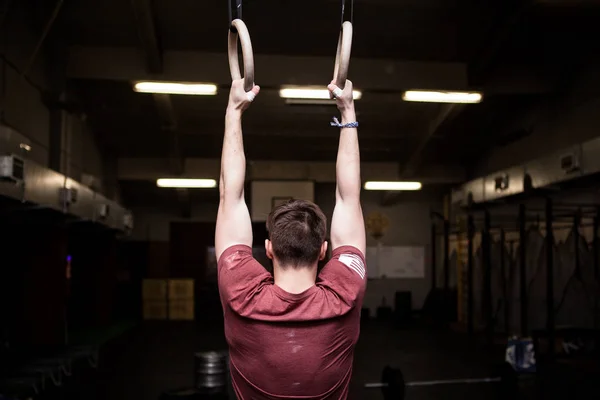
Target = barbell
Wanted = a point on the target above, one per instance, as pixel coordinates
(393, 385)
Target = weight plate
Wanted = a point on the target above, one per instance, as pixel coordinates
(396, 388)
(211, 371)
(509, 384)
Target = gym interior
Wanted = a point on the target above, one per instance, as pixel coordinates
(482, 283)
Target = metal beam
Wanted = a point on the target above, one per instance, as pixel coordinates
(445, 113)
(379, 76)
(404, 4)
(484, 63)
(272, 70)
(569, 3)
(150, 169)
(144, 19)
(176, 160)
(166, 112)
(47, 27)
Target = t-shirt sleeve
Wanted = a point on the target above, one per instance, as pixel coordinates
(345, 275)
(241, 279)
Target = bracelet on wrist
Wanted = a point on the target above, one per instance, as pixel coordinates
(337, 123)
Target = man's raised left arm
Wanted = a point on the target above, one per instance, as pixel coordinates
(233, 219)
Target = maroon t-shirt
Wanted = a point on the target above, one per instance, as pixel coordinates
(291, 346)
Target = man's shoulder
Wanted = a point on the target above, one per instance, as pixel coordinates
(347, 250)
(234, 255)
(238, 269)
(349, 257)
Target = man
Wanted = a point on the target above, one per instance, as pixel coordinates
(292, 334)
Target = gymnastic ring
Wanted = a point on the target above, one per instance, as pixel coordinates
(342, 57)
(234, 67)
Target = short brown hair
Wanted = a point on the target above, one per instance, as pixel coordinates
(297, 230)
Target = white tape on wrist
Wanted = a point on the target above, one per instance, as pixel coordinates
(251, 96)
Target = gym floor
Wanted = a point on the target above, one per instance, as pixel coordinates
(155, 357)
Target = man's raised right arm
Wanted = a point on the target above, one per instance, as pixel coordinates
(347, 223)
(343, 279)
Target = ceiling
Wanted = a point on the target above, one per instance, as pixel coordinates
(276, 26)
(515, 51)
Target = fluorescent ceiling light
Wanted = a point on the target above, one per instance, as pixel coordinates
(310, 102)
(442, 97)
(176, 88)
(186, 183)
(373, 185)
(313, 93)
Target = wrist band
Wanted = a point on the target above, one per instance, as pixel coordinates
(336, 123)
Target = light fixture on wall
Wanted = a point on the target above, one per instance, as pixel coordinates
(392, 186)
(197, 89)
(25, 147)
(310, 93)
(186, 183)
(428, 96)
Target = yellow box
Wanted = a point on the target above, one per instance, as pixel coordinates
(155, 309)
(181, 310)
(154, 289)
(181, 289)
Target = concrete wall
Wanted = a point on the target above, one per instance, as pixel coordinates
(409, 225)
(22, 107)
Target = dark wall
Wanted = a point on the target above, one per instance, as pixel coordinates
(557, 121)
(93, 284)
(45, 300)
(34, 285)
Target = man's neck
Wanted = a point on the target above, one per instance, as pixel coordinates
(295, 280)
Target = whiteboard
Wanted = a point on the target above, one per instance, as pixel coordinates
(372, 263)
(396, 262)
